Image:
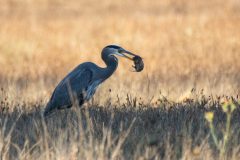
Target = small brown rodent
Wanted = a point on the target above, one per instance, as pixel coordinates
(138, 63)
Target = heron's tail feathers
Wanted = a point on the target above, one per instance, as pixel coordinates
(51, 107)
(48, 110)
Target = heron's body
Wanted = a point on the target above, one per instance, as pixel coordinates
(82, 82)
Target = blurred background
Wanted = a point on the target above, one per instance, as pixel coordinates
(187, 46)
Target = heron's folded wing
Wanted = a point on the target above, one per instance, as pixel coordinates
(75, 83)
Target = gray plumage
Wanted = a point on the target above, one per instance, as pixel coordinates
(83, 81)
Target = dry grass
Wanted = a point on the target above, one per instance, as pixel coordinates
(127, 131)
(185, 44)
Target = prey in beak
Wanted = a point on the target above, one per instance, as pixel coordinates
(138, 62)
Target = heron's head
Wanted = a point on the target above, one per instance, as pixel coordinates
(112, 50)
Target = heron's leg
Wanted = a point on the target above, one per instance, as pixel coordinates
(92, 100)
(81, 103)
(80, 100)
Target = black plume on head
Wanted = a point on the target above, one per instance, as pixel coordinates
(113, 46)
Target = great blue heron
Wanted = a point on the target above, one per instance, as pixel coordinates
(85, 78)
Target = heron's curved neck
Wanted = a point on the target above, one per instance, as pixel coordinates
(111, 63)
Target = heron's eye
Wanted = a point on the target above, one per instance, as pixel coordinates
(120, 50)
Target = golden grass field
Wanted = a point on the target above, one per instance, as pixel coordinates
(191, 51)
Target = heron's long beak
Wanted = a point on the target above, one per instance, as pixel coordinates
(127, 52)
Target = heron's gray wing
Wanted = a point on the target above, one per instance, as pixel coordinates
(75, 82)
